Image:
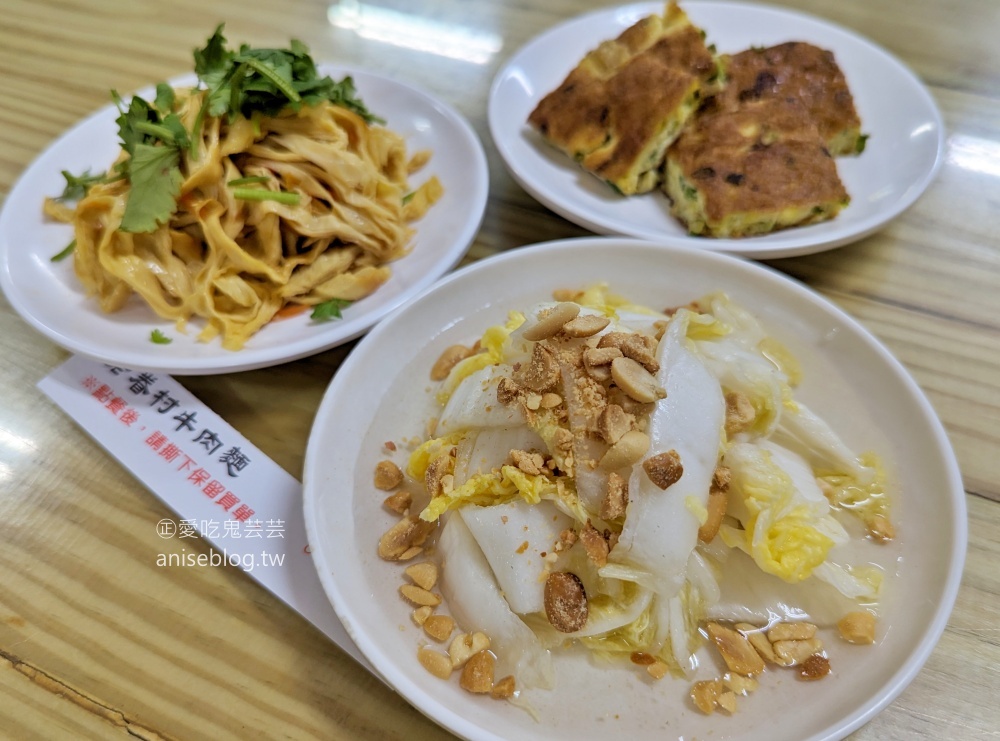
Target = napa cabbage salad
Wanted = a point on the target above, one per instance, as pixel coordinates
(633, 482)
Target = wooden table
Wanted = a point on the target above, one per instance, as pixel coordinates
(96, 641)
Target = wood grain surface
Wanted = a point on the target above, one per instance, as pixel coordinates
(97, 642)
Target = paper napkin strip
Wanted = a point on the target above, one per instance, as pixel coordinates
(221, 487)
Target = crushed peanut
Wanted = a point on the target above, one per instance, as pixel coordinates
(594, 357)
(709, 694)
(411, 552)
(424, 574)
(815, 667)
(448, 359)
(793, 653)
(550, 322)
(740, 414)
(612, 538)
(566, 540)
(705, 695)
(507, 391)
(540, 373)
(439, 627)
(739, 684)
(599, 373)
(409, 532)
(595, 545)
(628, 450)
(642, 658)
(437, 469)
(759, 641)
(615, 502)
(727, 701)
(465, 645)
(613, 422)
(435, 662)
(630, 405)
(503, 688)
(721, 478)
(857, 627)
(419, 596)
(736, 651)
(718, 503)
(658, 669)
(637, 382)
(566, 602)
(421, 614)
(477, 674)
(399, 502)
(550, 400)
(664, 469)
(638, 347)
(585, 326)
(791, 632)
(387, 475)
(880, 528)
(530, 463)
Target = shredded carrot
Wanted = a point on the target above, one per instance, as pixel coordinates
(289, 310)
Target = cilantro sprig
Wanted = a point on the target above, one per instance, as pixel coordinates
(249, 82)
(77, 186)
(64, 253)
(268, 80)
(153, 135)
(328, 310)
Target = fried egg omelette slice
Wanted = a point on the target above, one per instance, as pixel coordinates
(621, 107)
(751, 170)
(806, 73)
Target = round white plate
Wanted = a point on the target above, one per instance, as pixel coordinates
(903, 153)
(49, 297)
(382, 392)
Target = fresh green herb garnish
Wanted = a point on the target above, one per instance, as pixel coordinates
(153, 140)
(157, 337)
(164, 101)
(66, 252)
(408, 197)
(259, 194)
(156, 182)
(268, 80)
(77, 186)
(250, 82)
(329, 309)
(251, 180)
(859, 145)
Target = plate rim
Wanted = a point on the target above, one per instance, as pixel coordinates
(757, 248)
(476, 182)
(901, 677)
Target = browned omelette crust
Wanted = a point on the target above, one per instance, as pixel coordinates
(615, 108)
(762, 164)
(806, 73)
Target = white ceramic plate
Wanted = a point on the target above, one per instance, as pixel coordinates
(382, 392)
(903, 153)
(48, 295)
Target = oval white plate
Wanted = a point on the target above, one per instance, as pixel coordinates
(903, 154)
(382, 392)
(49, 297)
